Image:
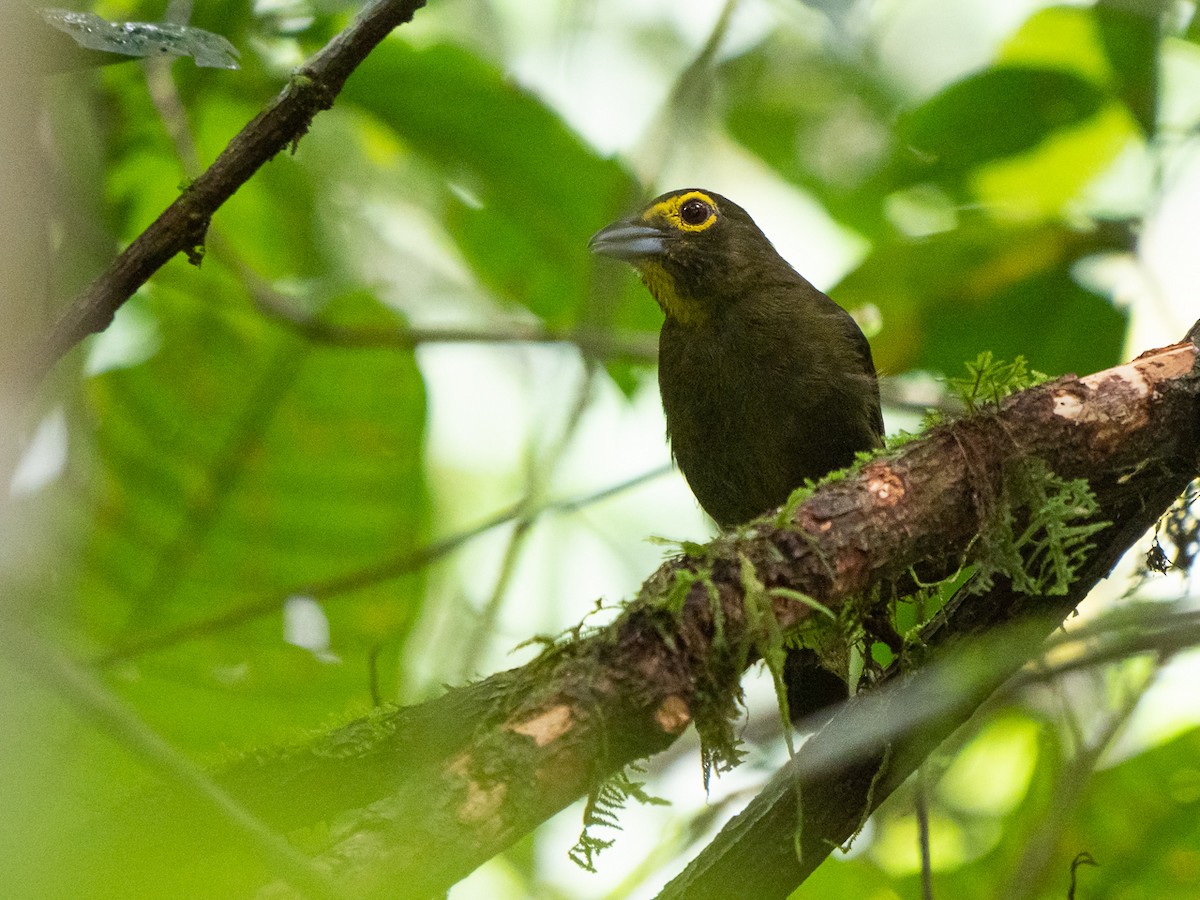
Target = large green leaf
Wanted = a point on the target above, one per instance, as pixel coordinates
(994, 114)
(239, 464)
(822, 122)
(986, 287)
(526, 192)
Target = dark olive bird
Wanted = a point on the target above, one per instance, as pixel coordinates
(765, 381)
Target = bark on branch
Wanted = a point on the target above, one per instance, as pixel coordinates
(878, 740)
(182, 226)
(420, 796)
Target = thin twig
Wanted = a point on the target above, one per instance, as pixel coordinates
(598, 343)
(539, 471)
(1110, 639)
(345, 585)
(922, 808)
(485, 624)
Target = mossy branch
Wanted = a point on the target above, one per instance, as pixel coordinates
(422, 795)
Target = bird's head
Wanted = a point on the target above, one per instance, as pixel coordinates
(695, 250)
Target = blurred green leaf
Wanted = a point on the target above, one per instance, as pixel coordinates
(1130, 31)
(995, 113)
(988, 287)
(1140, 819)
(525, 193)
(821, 121)
(1042, 183)
(1192, 31)
(1023, 139)
(70, 774)
(1060, 37)
(272, 218)
(846, 878)
(238, 464)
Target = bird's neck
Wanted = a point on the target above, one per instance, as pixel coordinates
(682, 307)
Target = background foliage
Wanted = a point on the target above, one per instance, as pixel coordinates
(316, 473)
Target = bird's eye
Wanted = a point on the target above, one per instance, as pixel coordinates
(695, 212)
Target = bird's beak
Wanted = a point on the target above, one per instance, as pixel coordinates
(628, 240)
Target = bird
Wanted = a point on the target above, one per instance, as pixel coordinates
(766, 383)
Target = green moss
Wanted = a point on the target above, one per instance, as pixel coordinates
(718, 698)
(797, 498)
(990, 380)
(902, 438)
(688, 549)
(682, 586)
(1038, 536)
(764, 633)
(803, 599)
(603, 805)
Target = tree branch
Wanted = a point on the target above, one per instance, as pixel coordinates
(878, 740)
(182, 226)
(422, 795)
(599, 343)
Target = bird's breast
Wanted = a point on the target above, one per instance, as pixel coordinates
(752, 414)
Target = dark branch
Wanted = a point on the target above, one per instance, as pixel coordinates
(849, 768)
(182, 226)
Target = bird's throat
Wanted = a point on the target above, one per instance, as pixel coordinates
(674, 302)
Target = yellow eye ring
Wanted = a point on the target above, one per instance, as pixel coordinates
(690, 211)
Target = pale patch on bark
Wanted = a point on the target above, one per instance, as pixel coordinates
(1067, 405)
(546, 726)
(885, 485)
(483, 803)
(673, 714)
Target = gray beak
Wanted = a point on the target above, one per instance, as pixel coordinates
(628, 241)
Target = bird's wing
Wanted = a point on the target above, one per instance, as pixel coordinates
(860, 343)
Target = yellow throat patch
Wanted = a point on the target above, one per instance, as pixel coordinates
(675, 303)
(681, 307)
